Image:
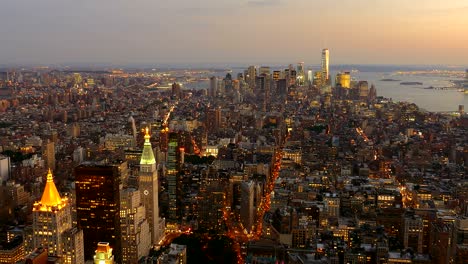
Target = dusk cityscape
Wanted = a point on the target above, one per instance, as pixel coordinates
(252, 131)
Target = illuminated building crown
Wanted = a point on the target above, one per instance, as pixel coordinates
(147, 157)
(50, 196)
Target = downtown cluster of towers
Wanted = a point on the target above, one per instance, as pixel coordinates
(292, 76)
(263, 85)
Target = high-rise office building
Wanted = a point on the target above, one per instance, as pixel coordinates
(250, 77)
(136, 241)
(372, 94)
(172, 174)
(5, 168)
(211, 204)
(326, 65)
(52, 226)
(343, 79)
(262, 90)
(98, 206)
(227, 84)
(318, 79)
(213, 87)
(176, 90)
(292, 77)
(310, 77)
(163, 139)
(363, 90)
(234, 192)
(281, 87)
(148, 186)
(300, 73)
(213, 120)
(49, 154)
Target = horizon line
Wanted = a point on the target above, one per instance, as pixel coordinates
(207, 65)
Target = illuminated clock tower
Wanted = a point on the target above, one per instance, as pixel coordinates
(148, 185)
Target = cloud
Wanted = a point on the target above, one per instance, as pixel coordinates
(264, 2)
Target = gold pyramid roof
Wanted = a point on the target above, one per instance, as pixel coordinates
(50, 196)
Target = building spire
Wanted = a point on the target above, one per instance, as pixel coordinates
(147, 135)
(50, 178)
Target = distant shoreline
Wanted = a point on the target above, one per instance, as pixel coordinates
(390, 80)
(411, 83)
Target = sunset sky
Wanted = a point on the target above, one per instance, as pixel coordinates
(233, 31)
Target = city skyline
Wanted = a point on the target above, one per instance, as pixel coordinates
(224, 32)
(216, 131)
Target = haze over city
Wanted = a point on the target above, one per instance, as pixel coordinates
(229, 32)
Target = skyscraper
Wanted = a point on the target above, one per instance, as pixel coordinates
(213, 86)
(292, 77)
(372, 94)
(262, 90)
(363, 91)
(213, 120)
(98, 206)
(326, 65)
(281, 88)
(5, 168)
(300, 73)
(318, 79)
(227, 84)
(176, 90)
(250, 77)
(148, 185)
(172, 171)
(136, 241)
(52, 226)
(49, 153)
(343, 79)
(210, 207)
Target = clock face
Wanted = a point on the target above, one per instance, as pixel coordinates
(145, 192)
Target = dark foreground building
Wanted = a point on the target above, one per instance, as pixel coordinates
(98, 206)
